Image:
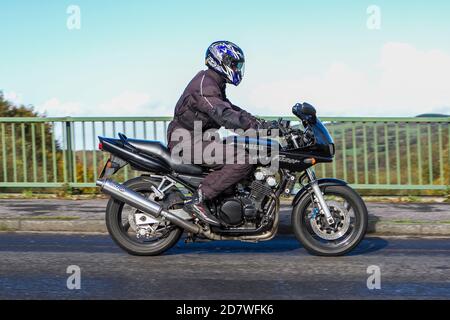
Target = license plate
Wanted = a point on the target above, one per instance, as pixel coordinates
(111, 167)
(104, 173)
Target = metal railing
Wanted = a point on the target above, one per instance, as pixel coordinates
(372, 153)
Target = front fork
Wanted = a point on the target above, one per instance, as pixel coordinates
(319, 196)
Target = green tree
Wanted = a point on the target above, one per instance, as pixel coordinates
(21, 134)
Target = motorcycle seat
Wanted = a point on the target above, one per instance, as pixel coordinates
(158, 150)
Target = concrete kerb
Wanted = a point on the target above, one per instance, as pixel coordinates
(98, 226)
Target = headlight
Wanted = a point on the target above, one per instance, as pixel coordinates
(332, 149)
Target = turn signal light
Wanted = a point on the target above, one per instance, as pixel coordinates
(310, 161)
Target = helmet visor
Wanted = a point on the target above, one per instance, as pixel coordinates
(239, 66)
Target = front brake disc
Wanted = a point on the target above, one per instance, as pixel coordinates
(341, 226)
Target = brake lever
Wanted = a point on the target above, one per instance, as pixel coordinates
(281, 127)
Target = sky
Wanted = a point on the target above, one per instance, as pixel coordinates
(134, 58)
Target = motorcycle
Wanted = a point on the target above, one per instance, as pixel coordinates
(145, 215)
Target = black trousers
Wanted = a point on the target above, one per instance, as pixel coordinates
(225, 174)
(230, 164)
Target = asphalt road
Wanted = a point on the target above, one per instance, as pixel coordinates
(33, 266)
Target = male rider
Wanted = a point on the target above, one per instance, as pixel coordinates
(205, 100)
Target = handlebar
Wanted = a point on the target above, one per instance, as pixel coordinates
(307, 114)
(297, 135)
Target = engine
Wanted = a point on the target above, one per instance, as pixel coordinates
(248, 205)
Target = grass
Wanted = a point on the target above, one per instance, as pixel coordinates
(417, 222)
(60, 218)
(51, 196)
(27, 194)
(406, 199)
(42, 218)
(4, 228)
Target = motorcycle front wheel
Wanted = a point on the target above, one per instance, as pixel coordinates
(319, 238)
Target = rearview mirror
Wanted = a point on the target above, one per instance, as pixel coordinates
(308, 109)
(305, 111)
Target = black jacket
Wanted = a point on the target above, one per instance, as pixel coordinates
(204, 100)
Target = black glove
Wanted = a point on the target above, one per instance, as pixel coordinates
(273, 124)
(263, 124)
(259, 123)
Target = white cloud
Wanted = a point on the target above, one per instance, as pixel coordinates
(55, 107)
(404, 82)
(13, 97)
(414, 79)
(128, 103)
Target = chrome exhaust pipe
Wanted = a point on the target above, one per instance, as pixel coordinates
(122, 193)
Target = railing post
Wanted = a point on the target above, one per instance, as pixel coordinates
(68, 142)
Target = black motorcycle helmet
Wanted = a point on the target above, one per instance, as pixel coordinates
(227, 59)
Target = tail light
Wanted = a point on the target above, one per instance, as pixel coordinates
(100, 146)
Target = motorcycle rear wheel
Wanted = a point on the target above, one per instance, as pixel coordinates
(119, 227)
